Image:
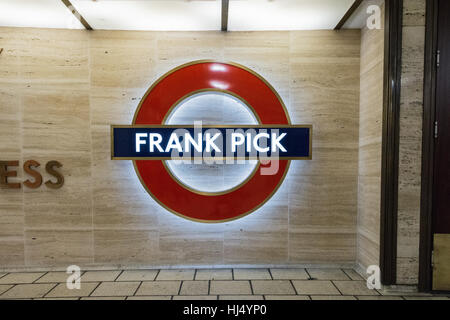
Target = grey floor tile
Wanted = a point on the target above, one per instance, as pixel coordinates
(53, 277)
(289, 274)
(61, 290)
(5, 287)
(214, 274)
(315, 287)
(272, 287)
(98, 276)
(37, 290)
(251, 274)
(226, 287)
(159, 288)
(195, 297)
(194, 288)
(111, 289)
(69, 298)
(21, 277)
(353, 274)
(379, 298)
(176, 274)
(355, 288)
(333, 298)
(425, 298)
(241, 297)
(289, 297)
(327, 274)
(150, 298)
(138, 275)
(103, 298)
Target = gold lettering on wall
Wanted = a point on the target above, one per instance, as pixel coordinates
(30, 167)
(27, 167)
(5, 174)
(60, 179)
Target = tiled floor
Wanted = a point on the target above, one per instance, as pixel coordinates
(192, 284)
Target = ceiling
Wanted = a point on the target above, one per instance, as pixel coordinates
(179, 15)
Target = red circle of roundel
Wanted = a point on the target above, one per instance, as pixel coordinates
(157, 103)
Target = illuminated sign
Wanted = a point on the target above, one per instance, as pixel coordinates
(217, 142)
(149, 141)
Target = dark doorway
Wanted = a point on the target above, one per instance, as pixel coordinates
(435, 231)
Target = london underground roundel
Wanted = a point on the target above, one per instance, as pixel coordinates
(149, 141)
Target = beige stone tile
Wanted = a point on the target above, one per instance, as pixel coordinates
(150, 298)
(12, 252)
(137, 275)
(63, 247)
(321, 247)
(264, 233)
(61, 290)
(333, 298)
(353, 274)
(194, 298)
(290, 297)
(68, 115)
(28, 291)
(95, 276)
(110, 289)
(159, 288)
(214, 274)
(241, 297)
(272, 287)
(103, 298)
(53, 277)
(114, 61)
(379, 298)
(11, 220)
(2, 274)
(289, 274)
(220, 287)
(48, 216)
(251, 274)
(193, 243)
(327, 274)
(176, 274)
(357, 288)
(126, 246)
(310, 200)
(195, 288)
(4, 287)
(312, 287)
(21, 277)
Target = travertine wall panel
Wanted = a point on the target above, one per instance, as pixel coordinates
(410, 150)
(60, 90)
(370, 139)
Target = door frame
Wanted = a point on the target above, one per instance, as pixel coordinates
(429, 118)
(390, 140)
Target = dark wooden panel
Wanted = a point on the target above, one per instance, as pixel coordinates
(428, 147)
(441, 187)
(390, 145)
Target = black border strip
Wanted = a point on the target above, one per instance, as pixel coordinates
(429, 116)
(225, 5)
(390, 144)
(77, 15)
